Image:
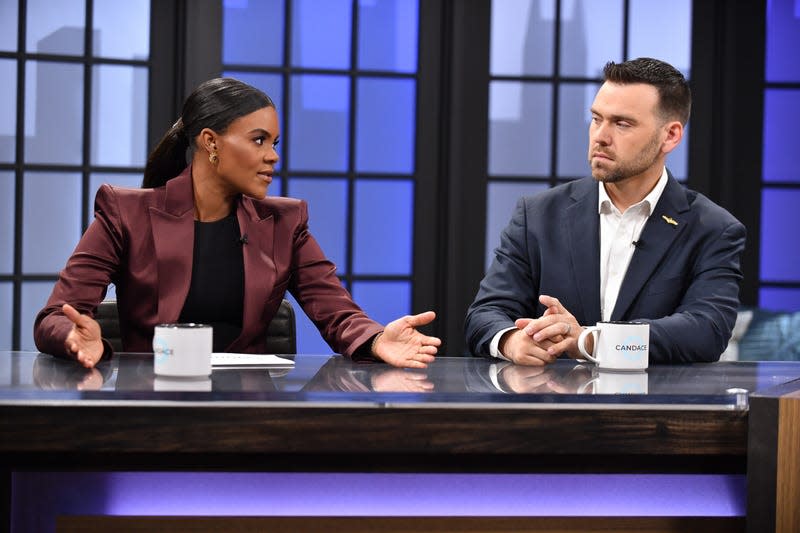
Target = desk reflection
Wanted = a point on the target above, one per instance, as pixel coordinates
(52, 373)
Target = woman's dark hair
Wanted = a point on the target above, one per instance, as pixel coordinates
(674, 95)
(214, 104)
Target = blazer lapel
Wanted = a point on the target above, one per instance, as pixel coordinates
(669, 219)
(583, 231)
(259, 264)
(173, 238)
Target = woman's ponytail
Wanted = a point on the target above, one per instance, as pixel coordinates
(168, 159)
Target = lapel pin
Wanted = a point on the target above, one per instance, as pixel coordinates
(669, 220)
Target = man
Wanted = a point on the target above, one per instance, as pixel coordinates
(630, 244)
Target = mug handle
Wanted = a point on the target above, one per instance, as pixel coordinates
(584, 389)
(582, 341)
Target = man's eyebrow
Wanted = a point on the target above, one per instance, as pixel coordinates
(615, 118)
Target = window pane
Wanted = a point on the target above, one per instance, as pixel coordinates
(34, 296)
(6, 295)
(520, 119)
(56, 27)
(271, 84)
(119, 111)
(779, 262)
(8, 109)
(678, 159)
(308, 338)
(781, 115)
(386, 115)
(591, 35)
(122, 29)
(6, 222)
(783, 40)
(387, 37)
(133, 181)
(522, 37)
(49, 241)
(327, 213)
(252, 32)
(383, 301)
(574, 103)
(778, 299)
(647, 24)
(320, 106)
(500, 203)
(321, 33)
(53, 112)
(8, 26)
(383, 224)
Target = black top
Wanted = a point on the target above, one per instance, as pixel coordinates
(216, 292)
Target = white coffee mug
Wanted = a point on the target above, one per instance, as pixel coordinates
(618, 345)
(170, 383)
(615, 382)
(182, 350)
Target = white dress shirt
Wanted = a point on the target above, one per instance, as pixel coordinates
(618, 233)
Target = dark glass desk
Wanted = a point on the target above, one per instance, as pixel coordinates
(462, 416)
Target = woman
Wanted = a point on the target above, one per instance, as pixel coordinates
(201, 243)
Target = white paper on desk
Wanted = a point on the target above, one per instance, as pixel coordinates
(249, 360)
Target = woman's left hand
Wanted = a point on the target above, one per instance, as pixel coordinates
(402, 345)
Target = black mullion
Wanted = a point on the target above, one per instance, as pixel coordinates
(782, 85)
(19, 197)
(351, 149)
(555, 84)
(88, 43)
(780, 185)
(626, 8)
(546, 79)
(272, 69)
(286, 88)
(780, 284)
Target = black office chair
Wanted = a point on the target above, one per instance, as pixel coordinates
(281, 336)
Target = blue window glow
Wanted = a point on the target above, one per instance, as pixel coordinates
(252, 32)
(8, 109)
(319, 123)
(122, 29)
(386, 115)
(8, 26)
(119, 129)
(522, 36)
(591, 35)
(780, 260)
(271, 84)
(648, 37)
(6, 222)
(574, 103)
(47, 242)
(779, 299)
(53, 112)
(6, 300)
(520, 121)
(34, 296)
(783, 40)
(383, 301)
(781, 116)
(501, 200)
(387, 38)
(321, 33)
(384, 218)
(327, 211)
(131, 181)
(55, 31)
(308, 338)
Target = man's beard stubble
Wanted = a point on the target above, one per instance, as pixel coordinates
(643, 161)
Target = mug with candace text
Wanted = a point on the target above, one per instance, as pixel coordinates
(617, 345)
(182, 350)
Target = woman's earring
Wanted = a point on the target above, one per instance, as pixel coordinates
(213, 158)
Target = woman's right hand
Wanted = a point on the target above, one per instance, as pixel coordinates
(84, 340)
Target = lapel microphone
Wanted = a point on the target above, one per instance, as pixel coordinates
(636, 244)
(243, 239)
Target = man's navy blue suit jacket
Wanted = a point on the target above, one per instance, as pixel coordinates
(683, 278)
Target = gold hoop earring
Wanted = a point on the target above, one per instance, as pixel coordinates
(213, 158)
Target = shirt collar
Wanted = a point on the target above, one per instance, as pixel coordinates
(604, 204)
